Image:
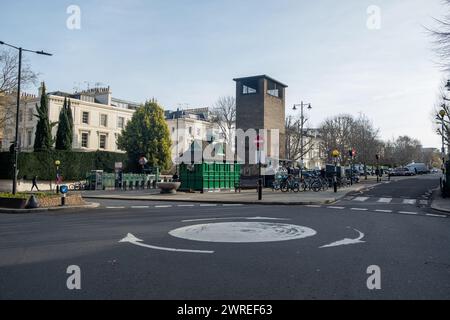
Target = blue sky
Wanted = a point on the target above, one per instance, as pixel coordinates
(188, 52)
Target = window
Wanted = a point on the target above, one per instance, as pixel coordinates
(121, 122)
(199, 132)
(250, 87)
(85, 140)
(102, 144)
(273, 89)
(248, 90)
(29, 138)
(30, 115)
(190, 130)
(85, 118)
(103, 120)
(20, 116)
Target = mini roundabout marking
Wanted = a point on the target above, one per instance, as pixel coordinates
(250, 231)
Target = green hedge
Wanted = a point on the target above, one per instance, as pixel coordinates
(74, 165)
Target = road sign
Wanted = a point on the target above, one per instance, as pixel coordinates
(64, 189)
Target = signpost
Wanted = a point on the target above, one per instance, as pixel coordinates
(64, 190)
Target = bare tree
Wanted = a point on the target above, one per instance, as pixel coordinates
(336, 133)
(441, 36)
(297, 149)
(9, 71)
(442, 124)
(365, 141)
(224, 115)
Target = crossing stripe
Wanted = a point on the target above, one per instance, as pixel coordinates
(337, 208)
(361, 199)
(359, 209)
(409, 201)
(384, 211)
(385, 200)
(409, 213)
(436, 215)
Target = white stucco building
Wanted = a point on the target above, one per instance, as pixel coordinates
(98, 119)
(188, 126)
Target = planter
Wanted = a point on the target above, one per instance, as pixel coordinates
(11, 203)
(169, 187)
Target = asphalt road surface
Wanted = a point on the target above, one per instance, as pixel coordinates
(198, 251)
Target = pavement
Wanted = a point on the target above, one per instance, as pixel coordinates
(198, 251)
(439, 203)
(230, 197)
(51, 209)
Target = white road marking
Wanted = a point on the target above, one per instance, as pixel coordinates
(385, 200)
(243, 232)
(186, 205)
(436, 215)
(359, 209)
(115, 207)
(137, 242)
(163, 207)
(384, 211)
(346, 242)
(409, 201)
(361, 199)
(208, 205)
(336, 208)
(313, 206)
(409, 213)
(232, 205)
(233, 218)
(140, 207)
(424, 202)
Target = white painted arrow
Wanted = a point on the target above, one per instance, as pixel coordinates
(346, 242)
(130, 238)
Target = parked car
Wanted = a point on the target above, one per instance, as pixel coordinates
(402, 172)
(418, 168)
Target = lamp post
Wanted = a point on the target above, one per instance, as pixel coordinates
(336, 154)
(19, 80)
(58, 175)
(441, 118)
(302, 106)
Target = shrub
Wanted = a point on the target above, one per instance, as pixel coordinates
(74, 165)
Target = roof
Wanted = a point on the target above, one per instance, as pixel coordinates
(259, 77)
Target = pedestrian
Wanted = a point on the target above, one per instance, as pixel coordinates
(35, 183)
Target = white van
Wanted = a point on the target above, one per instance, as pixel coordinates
(418, 168)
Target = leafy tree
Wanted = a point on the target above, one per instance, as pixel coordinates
(44, 140)
(147, 134)
(65, 129)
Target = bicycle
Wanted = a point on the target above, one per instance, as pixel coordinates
(290, 184)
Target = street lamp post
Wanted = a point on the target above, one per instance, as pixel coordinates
(302, 105)
(336, 154)
(58, 175)
(441, 117)
(16, 139)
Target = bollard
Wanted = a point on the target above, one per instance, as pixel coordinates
(260, 189)
(63, 200)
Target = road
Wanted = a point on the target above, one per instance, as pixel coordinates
(198, 251)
